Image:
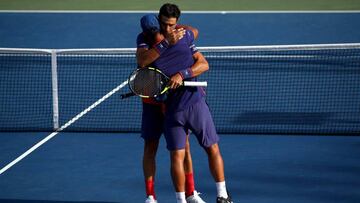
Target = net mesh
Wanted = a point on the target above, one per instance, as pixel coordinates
(25, 90)
(84, 77)
(290, 90)
(268, 89)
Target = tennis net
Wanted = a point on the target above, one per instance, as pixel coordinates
(287, 89)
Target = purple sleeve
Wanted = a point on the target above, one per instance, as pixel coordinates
(190, 37)
(140, 41)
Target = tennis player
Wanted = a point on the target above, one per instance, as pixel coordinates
(186, 108)
(154, 110)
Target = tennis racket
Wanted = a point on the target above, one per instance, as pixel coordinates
(151, 82)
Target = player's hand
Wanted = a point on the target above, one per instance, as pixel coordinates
(174, 36)
(175, 81)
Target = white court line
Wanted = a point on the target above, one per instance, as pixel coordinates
(77, 117)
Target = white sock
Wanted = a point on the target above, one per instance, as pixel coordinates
(180, 197)
(221, 189)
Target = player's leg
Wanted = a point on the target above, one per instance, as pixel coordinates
(177, 169)
(188, 168)
(175, 135)
(216, 163)
(203, 127)
(151, 130)
(149, 166)
(192, 196)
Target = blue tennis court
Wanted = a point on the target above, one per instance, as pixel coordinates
(98, 157)
(106, 167)
(115, 30)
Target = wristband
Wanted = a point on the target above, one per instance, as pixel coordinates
(186, 74)
(161, 46)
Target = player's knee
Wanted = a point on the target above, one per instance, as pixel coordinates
(177, 156)
(213, 150)
(150, 149)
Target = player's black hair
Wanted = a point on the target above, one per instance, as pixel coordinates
(170, 11)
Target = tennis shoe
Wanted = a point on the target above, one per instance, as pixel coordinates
(150, 199)
(195, 198)
(224, 200)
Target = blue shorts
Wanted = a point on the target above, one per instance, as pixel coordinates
(152, 122)
(196, 118)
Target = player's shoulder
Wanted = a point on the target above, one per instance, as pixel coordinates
(189, 35)
(141, 41)
(140, 36)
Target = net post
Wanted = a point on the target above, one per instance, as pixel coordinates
(54, 80)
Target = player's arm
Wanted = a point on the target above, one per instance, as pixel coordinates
(145, 55)
(200, 66)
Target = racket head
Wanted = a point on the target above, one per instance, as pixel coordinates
(148, 82)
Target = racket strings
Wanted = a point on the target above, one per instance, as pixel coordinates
(146, 83)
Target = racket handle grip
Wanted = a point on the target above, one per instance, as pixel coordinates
(195, 83)
(124, 96)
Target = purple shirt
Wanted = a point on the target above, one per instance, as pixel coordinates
(176, 58)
